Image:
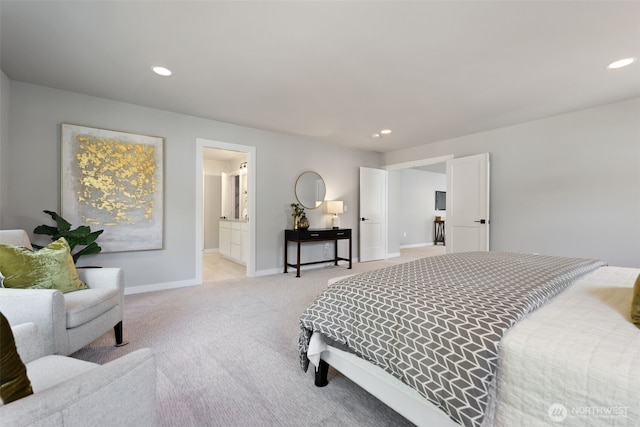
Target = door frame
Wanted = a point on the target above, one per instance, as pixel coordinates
(410, 165)
(201, 144)
(418, 163)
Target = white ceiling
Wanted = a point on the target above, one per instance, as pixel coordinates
(337, 71)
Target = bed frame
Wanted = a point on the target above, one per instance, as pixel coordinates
(391, 391)
(387, 388)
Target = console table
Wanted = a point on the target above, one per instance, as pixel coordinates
(315, 235)
(438, 232)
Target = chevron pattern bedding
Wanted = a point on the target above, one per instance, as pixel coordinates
(436, 323)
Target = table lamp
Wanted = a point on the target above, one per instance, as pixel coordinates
(335, 207)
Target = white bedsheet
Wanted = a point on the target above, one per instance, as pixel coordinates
(575, 361)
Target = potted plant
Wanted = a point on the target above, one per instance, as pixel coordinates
(82, 236)
(299, 217)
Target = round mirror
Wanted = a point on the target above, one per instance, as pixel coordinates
(310, 190)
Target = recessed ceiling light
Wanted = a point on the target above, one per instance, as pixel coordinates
(621, 63)
(385, 131)
(162, 71)
(375, 135)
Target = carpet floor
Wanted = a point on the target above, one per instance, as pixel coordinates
(227, 353)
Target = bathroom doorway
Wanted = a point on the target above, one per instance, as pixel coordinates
(225, 205)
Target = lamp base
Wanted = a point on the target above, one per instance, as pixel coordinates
(335, 222)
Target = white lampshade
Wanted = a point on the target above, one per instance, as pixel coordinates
(335, 206)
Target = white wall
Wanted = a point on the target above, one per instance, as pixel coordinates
(412, 207)
(4, 131)
(33, 148)
(567, 185)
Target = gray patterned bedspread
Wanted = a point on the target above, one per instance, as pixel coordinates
(436, 323)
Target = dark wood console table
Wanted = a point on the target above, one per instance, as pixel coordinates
(315, 235)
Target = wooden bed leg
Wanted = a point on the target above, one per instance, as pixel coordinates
(321, 374)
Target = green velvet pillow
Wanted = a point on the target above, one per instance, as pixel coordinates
(48, 268)
(14, 383)
(635, 304)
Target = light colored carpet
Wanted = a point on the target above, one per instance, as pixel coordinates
(227, 354)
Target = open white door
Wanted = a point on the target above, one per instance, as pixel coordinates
(373, 214)
(467, 220)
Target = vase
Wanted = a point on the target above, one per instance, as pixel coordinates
(303, 223)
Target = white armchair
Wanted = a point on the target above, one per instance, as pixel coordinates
(73, 393)
(68, 321)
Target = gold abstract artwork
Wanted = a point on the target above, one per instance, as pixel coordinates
(113, 180)
(116, 178)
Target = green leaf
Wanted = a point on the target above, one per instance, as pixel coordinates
(62, 223)
(46, 229)
(90, 249)
(80, 232)
(89, 238)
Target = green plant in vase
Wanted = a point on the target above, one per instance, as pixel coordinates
(299, 217)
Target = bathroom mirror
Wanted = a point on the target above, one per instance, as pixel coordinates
(310, 190)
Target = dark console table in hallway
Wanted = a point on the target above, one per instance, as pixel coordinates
(315, 235)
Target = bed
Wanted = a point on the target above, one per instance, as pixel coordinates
(484, 339)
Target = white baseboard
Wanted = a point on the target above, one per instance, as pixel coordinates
(193, 282)
(393, 255)
(211, 251)
(268, 272)
(161, 286)
(416, 245)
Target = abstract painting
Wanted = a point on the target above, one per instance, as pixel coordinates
(114, 181)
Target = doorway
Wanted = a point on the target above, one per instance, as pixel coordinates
(411, 205)
(237, 162)
(467, 225)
